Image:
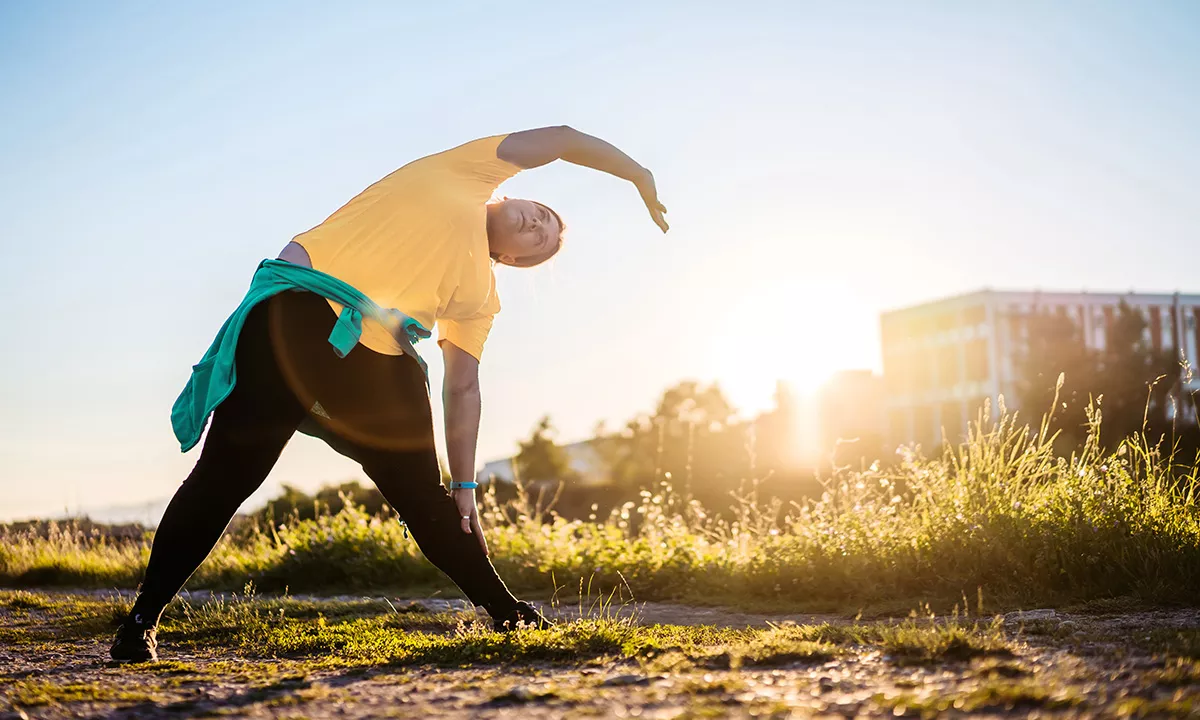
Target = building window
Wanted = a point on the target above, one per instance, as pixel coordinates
(922, 371)
(978, 366)
(917, 329)
(947, 369)
(897, 372)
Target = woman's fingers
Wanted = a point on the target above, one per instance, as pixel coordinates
(649, 193)
(659, 220)
(468, 517)
(466, 509)
(656, 208)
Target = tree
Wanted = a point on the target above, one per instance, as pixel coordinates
(1135, 379)
(694, 436)
(1133, 382)
(542, 460)
(1055, 346)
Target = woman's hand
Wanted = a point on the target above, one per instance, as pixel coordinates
(468, 515)
(405, 331)
(649, 193)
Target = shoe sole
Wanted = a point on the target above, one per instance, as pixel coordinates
(152, 657)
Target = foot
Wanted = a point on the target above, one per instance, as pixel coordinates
(136, 641)
(522, 612)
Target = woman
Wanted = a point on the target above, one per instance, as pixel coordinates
(420, 242)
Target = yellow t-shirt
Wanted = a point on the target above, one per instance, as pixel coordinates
(417, 241)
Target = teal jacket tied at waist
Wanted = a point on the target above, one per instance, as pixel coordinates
(215, 375)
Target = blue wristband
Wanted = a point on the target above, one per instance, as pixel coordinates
(455, 485)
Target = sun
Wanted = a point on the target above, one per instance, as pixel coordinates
(801, 351)
(793, 356)
(750, 372)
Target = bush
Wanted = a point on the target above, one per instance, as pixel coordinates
(1001, 514)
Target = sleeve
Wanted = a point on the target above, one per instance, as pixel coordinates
(469, 333)
(476, 163)
(466, 335)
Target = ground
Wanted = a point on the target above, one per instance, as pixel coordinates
(259, 657)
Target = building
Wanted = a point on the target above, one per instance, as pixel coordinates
(583, 458)
(943, 359)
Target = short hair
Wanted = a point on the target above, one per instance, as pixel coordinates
(534, 262)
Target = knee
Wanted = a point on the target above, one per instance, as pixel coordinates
(223, 481)
(409, 485)
(434, 510)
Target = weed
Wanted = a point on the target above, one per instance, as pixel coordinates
(22, 600)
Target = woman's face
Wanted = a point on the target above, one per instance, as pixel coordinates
(522, 232)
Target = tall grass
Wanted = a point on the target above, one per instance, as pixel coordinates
(1000, 514)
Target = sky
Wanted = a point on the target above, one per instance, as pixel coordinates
(821, 162)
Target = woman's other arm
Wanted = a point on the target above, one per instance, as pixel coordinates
(534, 148)
(462, 405)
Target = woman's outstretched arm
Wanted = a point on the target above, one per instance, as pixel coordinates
(534, 148)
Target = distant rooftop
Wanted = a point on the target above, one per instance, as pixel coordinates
(1051, 297)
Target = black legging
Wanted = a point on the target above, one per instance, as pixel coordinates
(371, 407)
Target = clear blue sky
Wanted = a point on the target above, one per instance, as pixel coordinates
(821, 162)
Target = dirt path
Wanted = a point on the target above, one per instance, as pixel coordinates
(1070, 665)
(646, 613)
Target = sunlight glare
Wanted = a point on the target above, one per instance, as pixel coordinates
(802, 349)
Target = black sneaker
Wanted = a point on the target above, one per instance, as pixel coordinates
(136, 641)
(525, 613)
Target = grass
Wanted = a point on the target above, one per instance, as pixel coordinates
(999, 695)
(1178, 672)
(32, 693)
(302, 656)
(1000, 516)
(347, 633)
